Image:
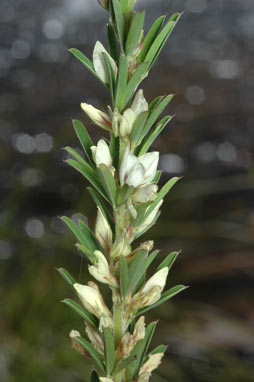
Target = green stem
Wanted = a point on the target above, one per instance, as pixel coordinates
(118, 327)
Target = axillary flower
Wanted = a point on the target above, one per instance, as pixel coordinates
(100, 270)
(103, 231)
(122, 124)
(97, 116)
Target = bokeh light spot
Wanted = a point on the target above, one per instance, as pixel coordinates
(24, 143)
(6, 250)
(172, 163)
(52, 29)
(44, 142)
(20, 49)
(226, 152)
(195, 95)
(34, 228)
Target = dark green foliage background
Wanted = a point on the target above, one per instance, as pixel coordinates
(209, 214)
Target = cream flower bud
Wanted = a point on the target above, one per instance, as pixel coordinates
(105, 379)
(120, 247)
(105, 322)
(154, 286)
(99, 62)
(139, 104)
(126, 346)
(150, 218)
(144, 377)
(150, 163)
(103, 231)
(76, 345)
(122, 124)
(153, 362)
(100, 270)
(147, 245)
(145, 193)
(139, 329)
(97, 116)
(92, 300)
(101, 154)
(94, 337)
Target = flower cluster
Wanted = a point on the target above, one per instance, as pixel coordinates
(124, 177)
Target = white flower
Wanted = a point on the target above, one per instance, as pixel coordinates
(92, 299)
(97, 116)
(145, 193)
(151, 291)
(122, 124)
(152, 363)
(120, 247)
(75, 344)
(100, 270)
(150, 163)
(139, 104)
(150, 218)
(101, 153)
(136, 171)
(139, 329)
(94, 337)
(99, 62)
(103, 231)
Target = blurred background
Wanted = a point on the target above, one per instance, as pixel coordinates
(208, 63)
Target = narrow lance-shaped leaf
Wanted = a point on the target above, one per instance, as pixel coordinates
(108, 182)
(66, 276)
(85, 61)
(139, 128)
(135, 80)
(163, 192)
(164, 297)
(111, 77)
(124, 364)
(168, 261)
(121, 82)
(151, 35)
(84, 138)
(89, 174)
(135, 30)
(81, 311)
(90, 238)
(109, 350)
(119, 19)
(148, 141)
(91, 350)
(76, 155)
(112, 42)
(136, 269)
(123, 276)
(99, 202)
(151, 258)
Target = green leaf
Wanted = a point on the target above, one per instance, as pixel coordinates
(91, 257)
(150, 37)
(94, 377)
(124, 194)
(123, 364)
(148, 227)
(90, 238)
(168, 261)
(140, 350)
(99, 202)
(154, 103)
(123, 276)
(76, 155)
(119, 19)
(89, 174)
(91, 350)
(159, 349)
(84, 138)
(108, 182)
(114, 149)
(157, 177)
(67, 276)
(112, 42)
(151, 258)
(121, 82)
(164, 297)
(111, 76)
(139, 128)
(161, 40)
(148, 141)
(81, 311)
(135, 80)
(159, 109)
(82, 238)
(109, 350)
(162, 193)
(136, 269)
(85, 61)
(136, 26)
